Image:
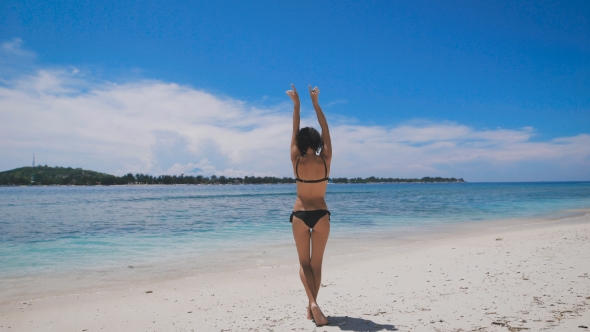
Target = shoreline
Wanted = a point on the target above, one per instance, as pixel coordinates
(369, 276)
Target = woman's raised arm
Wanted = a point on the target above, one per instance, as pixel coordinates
(327, 149)
(296, 120)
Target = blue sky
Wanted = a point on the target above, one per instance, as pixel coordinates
(488, 66)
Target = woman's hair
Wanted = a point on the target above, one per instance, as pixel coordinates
(308, 137)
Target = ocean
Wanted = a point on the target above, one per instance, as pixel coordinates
(105, 234)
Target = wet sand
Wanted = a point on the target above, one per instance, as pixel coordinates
(533, 276)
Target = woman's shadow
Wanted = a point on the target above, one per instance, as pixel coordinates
(358, 324)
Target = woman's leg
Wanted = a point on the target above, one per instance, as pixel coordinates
(319, 239)
(307, 258)
(302, 241)
(304, 281)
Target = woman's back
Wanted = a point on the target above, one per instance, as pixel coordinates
(312, 173)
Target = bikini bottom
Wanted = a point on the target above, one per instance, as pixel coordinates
(310, 218)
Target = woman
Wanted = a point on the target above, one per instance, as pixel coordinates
(310, 217)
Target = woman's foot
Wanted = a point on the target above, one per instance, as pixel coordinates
(320, 319)
(309, 314)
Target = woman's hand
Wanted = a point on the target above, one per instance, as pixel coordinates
(314, 93)
(293, 95)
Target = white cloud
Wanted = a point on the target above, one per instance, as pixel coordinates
(157, 127)
(14, 47)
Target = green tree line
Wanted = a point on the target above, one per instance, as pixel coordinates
(45, 175)
(373, 179)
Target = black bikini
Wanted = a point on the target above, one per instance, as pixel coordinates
(310, 181)
(311, 217)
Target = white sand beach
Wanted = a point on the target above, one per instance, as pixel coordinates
(534, 276)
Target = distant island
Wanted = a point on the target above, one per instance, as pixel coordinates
(45, 175)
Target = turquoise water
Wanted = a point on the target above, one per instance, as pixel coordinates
(60, 229)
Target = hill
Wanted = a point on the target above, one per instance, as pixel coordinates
(45, 175)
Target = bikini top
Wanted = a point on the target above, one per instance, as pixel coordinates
(311, 181)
